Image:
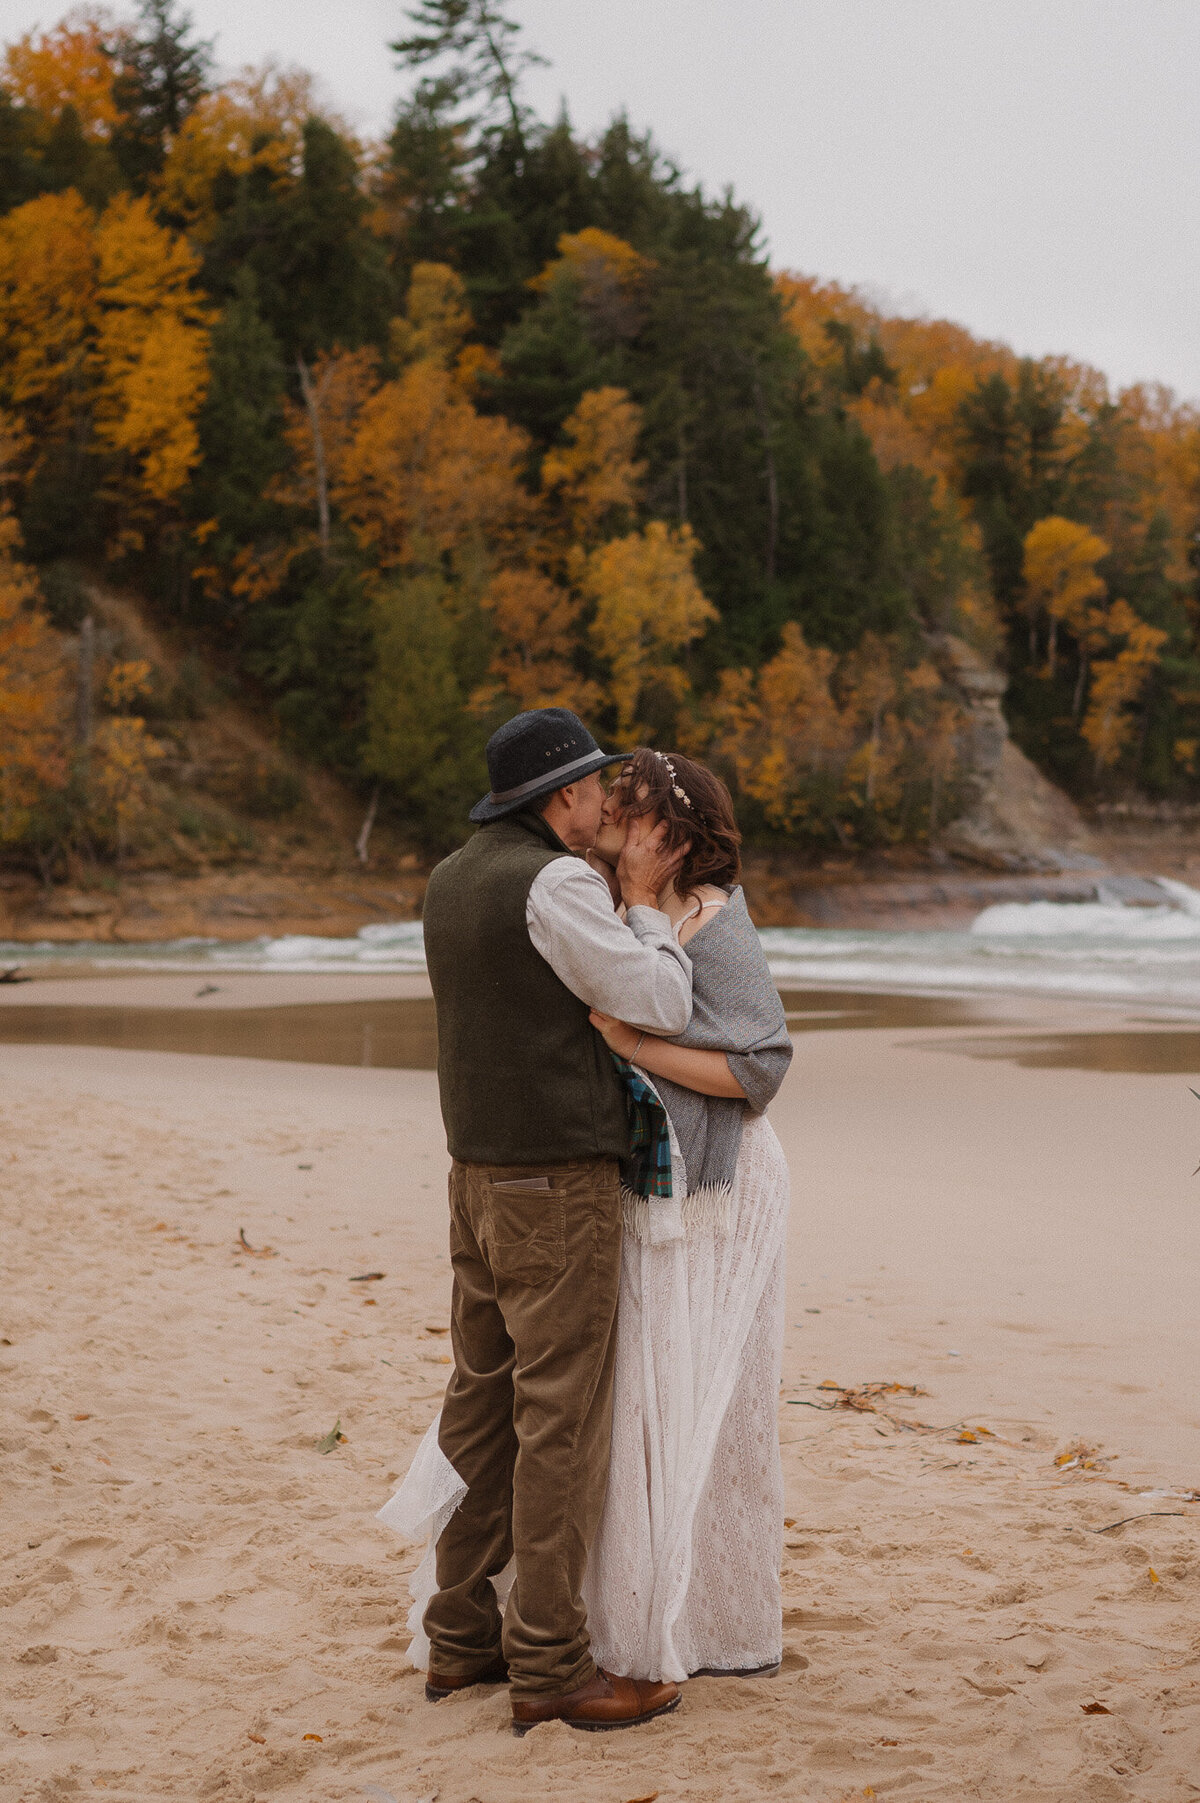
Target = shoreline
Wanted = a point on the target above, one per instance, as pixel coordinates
(899, 889)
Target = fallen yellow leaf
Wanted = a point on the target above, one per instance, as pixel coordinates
(312, 1737)
(259, 1740)
(1154, 1577)
(967, 1438)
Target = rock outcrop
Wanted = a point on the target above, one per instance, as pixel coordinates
(1015, 819)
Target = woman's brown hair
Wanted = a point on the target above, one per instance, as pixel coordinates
(692, 804)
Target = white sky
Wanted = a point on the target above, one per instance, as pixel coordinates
(1030, 168)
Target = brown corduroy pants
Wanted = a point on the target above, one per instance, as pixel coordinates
(527, 1417)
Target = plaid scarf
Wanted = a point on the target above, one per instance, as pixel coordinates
(647, 1170)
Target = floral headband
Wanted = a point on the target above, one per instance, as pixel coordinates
(684, 797)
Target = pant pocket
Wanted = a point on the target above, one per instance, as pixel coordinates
(527, 1234)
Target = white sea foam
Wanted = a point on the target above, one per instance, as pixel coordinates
(1104, 950)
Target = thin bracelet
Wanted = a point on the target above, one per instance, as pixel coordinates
(637, 1048)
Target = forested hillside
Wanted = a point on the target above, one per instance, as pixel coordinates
(396, 438)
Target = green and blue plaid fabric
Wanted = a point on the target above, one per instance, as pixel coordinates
(647, 1170)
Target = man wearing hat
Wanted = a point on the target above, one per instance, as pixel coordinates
(522, 939)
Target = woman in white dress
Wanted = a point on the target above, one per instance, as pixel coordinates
(684, 1572)
(683, 1576)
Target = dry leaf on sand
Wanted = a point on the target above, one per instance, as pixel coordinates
(332, 1438)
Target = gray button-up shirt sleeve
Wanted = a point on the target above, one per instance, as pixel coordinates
(632, 968)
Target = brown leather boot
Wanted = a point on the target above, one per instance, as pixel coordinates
(604, 1702)
(439, 1684)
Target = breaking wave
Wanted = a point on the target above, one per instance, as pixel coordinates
(1146, 950)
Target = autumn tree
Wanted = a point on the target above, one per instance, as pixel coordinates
(151, 358)
(1060, 579)
(1118, 681)
(782, 737)
(105, 364)
(242, 137)
(857, 749)
(536, 623)
(425, 477)
(594, 475)
(122, 755)
(67, 66)
(33, 693)
(48, 285)
(648, 608)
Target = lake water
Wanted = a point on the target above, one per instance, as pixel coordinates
(1102, 950)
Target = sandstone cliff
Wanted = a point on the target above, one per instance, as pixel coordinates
(1015, 819)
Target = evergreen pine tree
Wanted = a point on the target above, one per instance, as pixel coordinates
(240, 426)
(161, 72)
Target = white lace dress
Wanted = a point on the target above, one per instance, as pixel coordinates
(684, 1572)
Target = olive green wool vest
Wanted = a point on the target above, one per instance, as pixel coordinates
(523, 1078)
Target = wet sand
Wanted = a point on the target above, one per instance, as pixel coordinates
(193, 1592)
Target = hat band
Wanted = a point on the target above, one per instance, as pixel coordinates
(563, 774)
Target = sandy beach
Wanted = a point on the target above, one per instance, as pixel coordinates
(199, 1604)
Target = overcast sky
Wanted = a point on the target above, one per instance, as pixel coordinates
(1030, 168)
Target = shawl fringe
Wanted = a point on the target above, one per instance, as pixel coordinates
(704, 1210)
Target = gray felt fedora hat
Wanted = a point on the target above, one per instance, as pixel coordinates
(535, 753)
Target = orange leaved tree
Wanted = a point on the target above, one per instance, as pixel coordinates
(33, 693)
(1060, 578)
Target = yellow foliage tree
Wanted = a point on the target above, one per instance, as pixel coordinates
(610, 276)
(48, 275)
(1118, 682)
(436, 317)
(151, 353)
(1060, 577)
(781, 733)
(596, 475)
(254, 121)
(648, 607)
(123, 752)
(535, 613)
(823, 746)
(103, 333)
(66, 66)
(33, 693)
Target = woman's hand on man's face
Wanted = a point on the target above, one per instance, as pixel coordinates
(617, 1035)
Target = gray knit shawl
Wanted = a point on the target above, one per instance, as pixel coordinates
(735, 1009)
